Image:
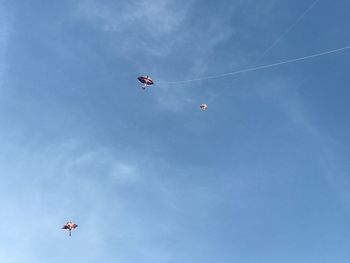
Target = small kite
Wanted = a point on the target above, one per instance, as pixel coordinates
(146, 81)
(203, 107)
(70, 226)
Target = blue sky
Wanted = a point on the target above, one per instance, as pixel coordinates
(262, 176)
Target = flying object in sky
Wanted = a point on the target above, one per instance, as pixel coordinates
(70, 226)
(146, 81)
(203, 107)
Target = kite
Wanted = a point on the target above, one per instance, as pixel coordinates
(70, 226)
(146, 81)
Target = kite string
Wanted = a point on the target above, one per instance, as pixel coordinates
(288, 30)
(261, 67)
(279, 39)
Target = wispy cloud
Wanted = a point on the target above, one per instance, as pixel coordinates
(155, 18)
(137, 26)
(44, 186)
(154, 35)
(285, 94)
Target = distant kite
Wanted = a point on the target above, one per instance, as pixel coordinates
(70, 226)
(146, 81)
(203, 107)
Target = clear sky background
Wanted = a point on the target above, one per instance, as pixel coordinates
(262, 176)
